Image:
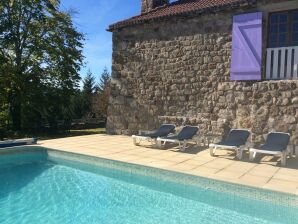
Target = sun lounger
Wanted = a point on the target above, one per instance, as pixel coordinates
(276, 144)
(237, 140)
(18, 142)
(163, 131)
(183, 137)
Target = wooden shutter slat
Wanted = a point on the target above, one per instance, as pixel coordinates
(268, 64)
(295, 75)
(289, 63)
(247, 47)
(282, 65)
(275, 64)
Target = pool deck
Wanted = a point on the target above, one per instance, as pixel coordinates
(264, 173)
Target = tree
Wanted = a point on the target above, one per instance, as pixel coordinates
(89, 83)
(40, 57)
(104, 92)
(87, 92)
(104, 81)
(77, 105)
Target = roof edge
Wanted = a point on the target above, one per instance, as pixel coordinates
(133, 20)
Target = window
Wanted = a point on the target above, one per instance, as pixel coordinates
(283, 29)
(294, 37)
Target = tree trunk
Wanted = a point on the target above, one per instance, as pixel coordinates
(16, 100)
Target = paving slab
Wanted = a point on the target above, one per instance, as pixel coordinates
(265, 173)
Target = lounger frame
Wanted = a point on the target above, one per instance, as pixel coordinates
(182, 144)
(137, 139)
(239, 150)
(283, 154)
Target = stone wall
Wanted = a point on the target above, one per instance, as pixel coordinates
(178, 71)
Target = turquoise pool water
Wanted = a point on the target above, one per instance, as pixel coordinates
(37, 188)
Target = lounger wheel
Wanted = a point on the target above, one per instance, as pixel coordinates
(212, 151)
(159, 143)
(183, 148)
(135, 142)
(252, 156)
(239, 154)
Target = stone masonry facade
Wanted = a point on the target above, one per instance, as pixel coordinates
(177, 70)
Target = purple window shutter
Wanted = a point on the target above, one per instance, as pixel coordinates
(247, 47)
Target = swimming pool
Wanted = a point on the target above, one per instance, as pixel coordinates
(47, 186)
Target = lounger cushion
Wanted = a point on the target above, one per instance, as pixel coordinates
(18, 142)
(187, 132)
(163, 131)
(276, 142)
(236, 138)
(228, 143)
(173, 137)
(2, 145)
(151, 135)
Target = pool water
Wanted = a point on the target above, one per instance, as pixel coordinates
(44, 191)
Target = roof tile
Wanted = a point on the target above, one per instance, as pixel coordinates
(179, 7)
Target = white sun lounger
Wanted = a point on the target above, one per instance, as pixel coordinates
(163, 131)
(237, 140)
(182, 138)
(276, 144)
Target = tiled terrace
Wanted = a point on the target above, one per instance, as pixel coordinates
(265, 173)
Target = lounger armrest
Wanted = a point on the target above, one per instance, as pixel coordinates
(250, 144)
(223, 146)
(212, 138)
(170, 135)
(255, 146)
(165, 137)
(256, 150)
(143, 132)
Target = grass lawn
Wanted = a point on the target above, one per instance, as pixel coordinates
(71, 133)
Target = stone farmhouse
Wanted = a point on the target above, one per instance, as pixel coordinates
(218, 64)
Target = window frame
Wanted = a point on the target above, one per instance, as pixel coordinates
(289, 37)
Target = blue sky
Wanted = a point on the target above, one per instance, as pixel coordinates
(93, 17)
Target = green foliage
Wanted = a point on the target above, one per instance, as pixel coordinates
(88, 92)
(77, 105)
(105, 79)
(89, 84)
(3, 119)
(104, 92)
(92, 100)
(40, 57)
